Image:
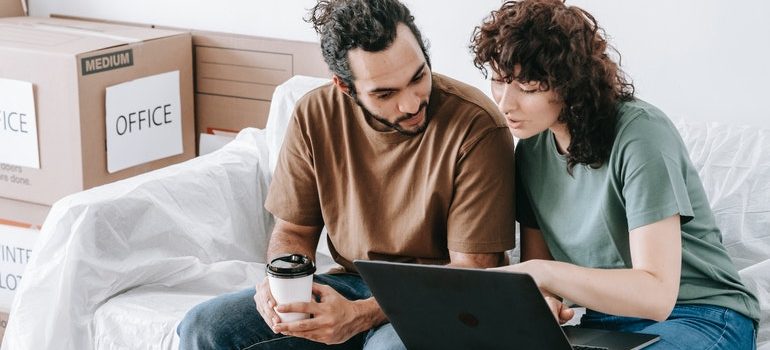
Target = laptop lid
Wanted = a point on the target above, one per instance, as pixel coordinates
(438, 307)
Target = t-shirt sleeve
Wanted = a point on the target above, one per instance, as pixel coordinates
(524, 214)
(654, 173)
(293, 193)
(481, 218)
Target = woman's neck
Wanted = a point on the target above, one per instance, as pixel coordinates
(561, 136)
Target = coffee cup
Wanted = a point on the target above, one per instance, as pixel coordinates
(291, 280)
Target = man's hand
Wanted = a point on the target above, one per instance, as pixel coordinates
(335, 319)
(560, 310)
(265, 303)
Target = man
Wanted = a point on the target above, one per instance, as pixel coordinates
(398, 163)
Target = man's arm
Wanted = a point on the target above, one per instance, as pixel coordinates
(484, 260)
(533, 247)
(481, 217)
(292, 238)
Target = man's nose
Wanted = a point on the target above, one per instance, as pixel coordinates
(409, 103)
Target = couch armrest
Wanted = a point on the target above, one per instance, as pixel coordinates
(167, 227)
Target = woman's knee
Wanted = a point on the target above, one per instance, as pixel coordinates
(704, 327)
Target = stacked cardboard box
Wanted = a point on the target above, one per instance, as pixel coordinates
(11, 8)
(235, 76)
(20, 224)
(83, 104)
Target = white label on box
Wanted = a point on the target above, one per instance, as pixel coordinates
(18, 124)
(144, 121)
(16, 245)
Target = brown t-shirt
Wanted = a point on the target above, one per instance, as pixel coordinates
(389, 196)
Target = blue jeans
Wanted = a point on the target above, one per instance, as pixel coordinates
(690, 326)
(231, 321)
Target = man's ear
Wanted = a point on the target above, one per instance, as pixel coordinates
(340, 84)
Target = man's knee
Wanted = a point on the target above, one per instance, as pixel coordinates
(195, 330)
(228, 321)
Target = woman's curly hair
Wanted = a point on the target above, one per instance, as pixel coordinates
(564, 49)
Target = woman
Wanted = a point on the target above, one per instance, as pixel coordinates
(613, 215)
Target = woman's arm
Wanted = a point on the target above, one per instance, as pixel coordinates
(648, 290)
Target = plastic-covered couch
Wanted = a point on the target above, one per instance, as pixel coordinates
(118, 266)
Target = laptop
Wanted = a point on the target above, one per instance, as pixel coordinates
(439, 307)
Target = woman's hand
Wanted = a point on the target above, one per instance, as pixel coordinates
(560, 310)
(538, 270)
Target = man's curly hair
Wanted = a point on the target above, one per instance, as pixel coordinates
(564, 49)
(371, 25)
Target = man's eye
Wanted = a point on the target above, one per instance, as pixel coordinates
(384, 96)
(530, 91)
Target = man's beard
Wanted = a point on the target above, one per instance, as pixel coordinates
(420, 129)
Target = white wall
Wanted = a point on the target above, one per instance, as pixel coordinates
(695, 59)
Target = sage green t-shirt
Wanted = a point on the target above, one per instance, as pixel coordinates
(586, 218)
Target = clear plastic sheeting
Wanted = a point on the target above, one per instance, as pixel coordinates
(176, 227)
(118, 266)
(734, 165)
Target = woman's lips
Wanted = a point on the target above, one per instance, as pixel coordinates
(514, 124)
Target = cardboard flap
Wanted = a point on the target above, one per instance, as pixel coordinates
(70, 36)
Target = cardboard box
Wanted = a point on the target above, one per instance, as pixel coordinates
(16, 248)
(12, 8)
(20, 224)
(236, 75)
(110, 101)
